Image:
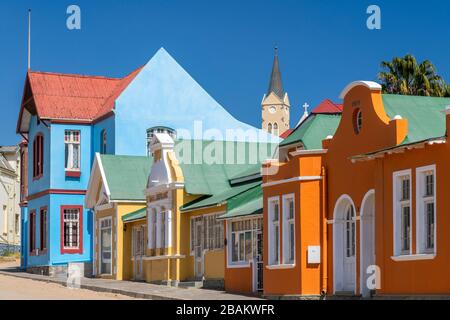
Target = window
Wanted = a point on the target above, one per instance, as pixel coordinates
(105, 245)
(274, 231)
(350, 232)
(357, 120)
(32, 226)
(426, 209)
(72, 150)
(275, 129)
(288, 229)
(17, 224)
(162, 240)
(5, 220)
(38, 156)
(153, 225)
(103, 140)
(269, 128)
(243, 240)
(214, 234)
(43, 229)
(71, 229)
(402, 213)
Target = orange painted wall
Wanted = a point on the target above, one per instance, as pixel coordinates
(303, 279)
(237, 280)
(356, 179)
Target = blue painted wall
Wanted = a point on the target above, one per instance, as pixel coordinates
(108, 125)
(163, 93)
(58, 179)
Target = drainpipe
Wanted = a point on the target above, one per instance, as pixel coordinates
(325, 234)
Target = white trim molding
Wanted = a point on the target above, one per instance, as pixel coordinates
(281, 267)
(308, 152)
(303, 178)
(397, 205)
(422, 201)
(413, 257)
(371, 85)
(271, 203)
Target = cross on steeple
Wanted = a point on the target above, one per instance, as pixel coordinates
(306, 106)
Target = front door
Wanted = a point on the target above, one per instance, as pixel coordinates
(138, 252)
(349, 249)
(198, 249)
(105, 246)
(259, 262)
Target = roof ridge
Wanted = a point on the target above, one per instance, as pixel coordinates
(75, 75)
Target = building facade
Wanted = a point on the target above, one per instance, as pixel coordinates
(66, 119)
(9, 199)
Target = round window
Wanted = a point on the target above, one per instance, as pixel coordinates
(272, 109)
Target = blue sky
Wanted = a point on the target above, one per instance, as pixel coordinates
(227, 46)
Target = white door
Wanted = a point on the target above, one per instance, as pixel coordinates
(138, 252)
(105, 246)
(198, 248)
(367, 242)
(349, 250)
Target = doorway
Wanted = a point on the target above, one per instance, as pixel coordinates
(138, 252)
(367, 240)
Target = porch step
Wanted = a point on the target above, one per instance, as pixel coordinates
(344, 296)
(190, 284)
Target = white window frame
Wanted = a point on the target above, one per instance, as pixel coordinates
(271, 204)
(398, 204)
(421, 201)
(255, 228)
(69, 143)
(287, 230)
(70, 234)
(100, 242)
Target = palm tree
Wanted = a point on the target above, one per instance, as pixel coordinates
(405, 76)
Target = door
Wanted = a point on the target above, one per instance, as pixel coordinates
(367, 243)
(198, 248)
(138, 252)
(349, 250)
(259, 261)
(106, 246)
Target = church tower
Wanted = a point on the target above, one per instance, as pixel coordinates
(275, 104)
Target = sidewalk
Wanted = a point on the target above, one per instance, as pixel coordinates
(133, 289)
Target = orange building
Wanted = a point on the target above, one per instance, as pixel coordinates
(382, 179)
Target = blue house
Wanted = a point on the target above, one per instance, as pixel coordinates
(65, 119)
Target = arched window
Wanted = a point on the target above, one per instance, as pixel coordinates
(357, 120)
(103, 140)
(350, 232)
(275, 129)
(269, 128)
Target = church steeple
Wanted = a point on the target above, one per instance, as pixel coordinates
(275, 105)
(276, 84)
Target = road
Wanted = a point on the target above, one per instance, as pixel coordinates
(13, 288)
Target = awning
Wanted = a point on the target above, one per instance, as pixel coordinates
(247, 203)
(136, 215)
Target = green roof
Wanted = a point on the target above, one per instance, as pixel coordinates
(247, 203)
(126, 176)
(136, 215)
(203, 176)
(219, 198)
(313, 130)
(424, 115)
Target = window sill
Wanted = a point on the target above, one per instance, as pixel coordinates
(71, 251)
(280, 266)
(414, 257)
(237, 265)
(73, 173)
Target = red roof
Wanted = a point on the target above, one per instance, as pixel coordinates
(286, 134)
(58, 96)
(328, 106)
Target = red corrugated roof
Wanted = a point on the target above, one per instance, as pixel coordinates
(328, 106)
(60, 96)
(286, 133)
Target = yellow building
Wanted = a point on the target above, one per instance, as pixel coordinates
(116, 189)
(185, 197)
